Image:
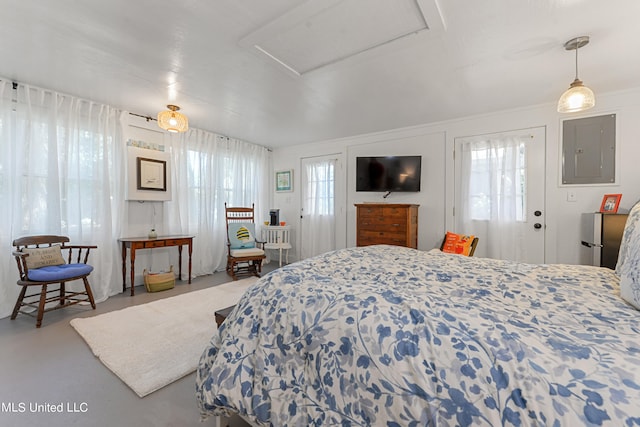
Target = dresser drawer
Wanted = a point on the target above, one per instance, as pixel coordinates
(399, 213)
(383, 237)
(383, 214)
(382, 226)
(369, 212)
(381, 219)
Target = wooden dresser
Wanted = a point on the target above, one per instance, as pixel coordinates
(387, 224)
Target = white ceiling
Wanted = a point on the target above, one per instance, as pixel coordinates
(352, 66)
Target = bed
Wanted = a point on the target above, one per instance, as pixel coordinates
(390, 336)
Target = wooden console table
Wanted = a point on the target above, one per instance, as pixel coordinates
(135, 243)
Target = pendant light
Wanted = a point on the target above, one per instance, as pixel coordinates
(173, 121)
(578, 97)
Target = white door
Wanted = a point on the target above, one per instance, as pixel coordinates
(318, 217)
(500, 193)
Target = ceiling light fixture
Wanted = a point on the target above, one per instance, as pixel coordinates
(173, 121)
(578, 97)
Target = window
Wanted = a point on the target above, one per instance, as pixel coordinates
(320, 188)
(497, 174)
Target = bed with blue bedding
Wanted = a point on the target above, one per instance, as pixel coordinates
(391, 336)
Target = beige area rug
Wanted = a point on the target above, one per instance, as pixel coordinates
(151, 345)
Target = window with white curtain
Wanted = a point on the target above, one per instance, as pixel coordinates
(237, 173)
(492, 194)
(61, 172)
(57, 176)
(211, 170)
(318, 206)
(497, 174)
(320, 194)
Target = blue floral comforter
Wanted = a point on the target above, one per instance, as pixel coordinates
(389, 336)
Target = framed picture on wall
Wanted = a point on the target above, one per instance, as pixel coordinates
(610, 203)
(284, 181)
(151, 174)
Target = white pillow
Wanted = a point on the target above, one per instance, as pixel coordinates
(628, 266)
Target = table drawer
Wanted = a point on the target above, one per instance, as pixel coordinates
(177, 242)
(155, 244)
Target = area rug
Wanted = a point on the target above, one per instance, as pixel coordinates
(151, 345)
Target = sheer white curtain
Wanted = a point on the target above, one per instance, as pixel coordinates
(60, 173)
(319, 218)
(491, 197)
(210, 170)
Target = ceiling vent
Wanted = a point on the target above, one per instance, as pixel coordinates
(318, 33)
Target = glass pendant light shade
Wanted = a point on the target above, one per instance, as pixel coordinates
(173, 121)
(577, 98)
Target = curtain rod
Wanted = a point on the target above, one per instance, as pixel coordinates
(148, 118)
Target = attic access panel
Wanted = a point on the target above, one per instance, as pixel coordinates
(589, 150)
(320, 33)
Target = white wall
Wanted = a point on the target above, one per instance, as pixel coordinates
(435, 143)
(432, 149)
(141, 214)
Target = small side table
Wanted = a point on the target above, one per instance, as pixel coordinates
(137, 243)
(221, 315)
(277, 237)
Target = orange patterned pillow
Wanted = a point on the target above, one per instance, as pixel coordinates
(457, 243)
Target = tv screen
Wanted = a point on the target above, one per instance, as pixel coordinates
(390, 173)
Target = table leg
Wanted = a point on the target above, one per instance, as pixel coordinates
(180, 262)
(190, 251)
(124, 266)
(133, 269)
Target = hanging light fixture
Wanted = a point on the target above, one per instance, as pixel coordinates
(578, 97)
(173, 121)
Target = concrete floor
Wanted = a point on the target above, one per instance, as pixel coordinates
(54, 368)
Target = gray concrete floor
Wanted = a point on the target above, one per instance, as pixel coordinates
(54, 368)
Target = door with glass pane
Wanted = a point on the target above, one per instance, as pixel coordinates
(318, 216)
(499, 193)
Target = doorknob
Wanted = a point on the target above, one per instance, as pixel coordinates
(537, 226)
(537, 213)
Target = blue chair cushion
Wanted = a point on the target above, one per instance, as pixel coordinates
(55, 273)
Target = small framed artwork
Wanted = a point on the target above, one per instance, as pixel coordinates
(151, 174)
(284, 181)
(610, 203)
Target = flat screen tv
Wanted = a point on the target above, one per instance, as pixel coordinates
(390, 173)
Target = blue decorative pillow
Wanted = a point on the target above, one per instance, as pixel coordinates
(242, 235)
(628, 267)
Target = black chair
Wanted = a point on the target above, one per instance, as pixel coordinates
(40, 264)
